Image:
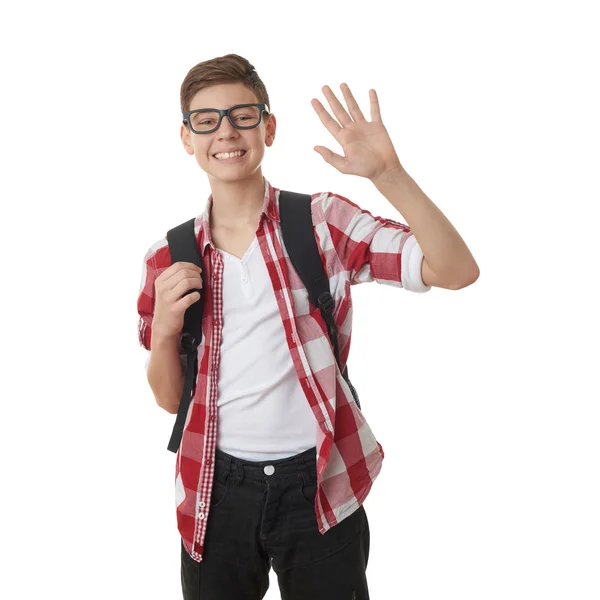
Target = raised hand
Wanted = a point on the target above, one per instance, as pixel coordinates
(368, 149)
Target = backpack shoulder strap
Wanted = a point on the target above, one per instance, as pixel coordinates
(300, 242)
(299, 238)
(183, 247)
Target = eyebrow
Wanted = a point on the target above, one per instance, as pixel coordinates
(213, 108)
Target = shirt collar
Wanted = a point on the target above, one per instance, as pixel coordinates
(270, 209)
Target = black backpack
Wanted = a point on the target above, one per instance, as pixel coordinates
(300, 242)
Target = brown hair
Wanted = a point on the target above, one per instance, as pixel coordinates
(230, 68)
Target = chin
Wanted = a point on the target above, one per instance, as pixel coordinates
(238, 173)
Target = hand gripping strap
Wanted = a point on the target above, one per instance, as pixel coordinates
(183, 247)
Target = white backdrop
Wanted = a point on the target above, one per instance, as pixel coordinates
(484, 399)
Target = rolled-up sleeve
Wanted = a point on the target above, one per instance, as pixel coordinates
(411, 270)
(372, 248)
(145, 302)
(145, 307)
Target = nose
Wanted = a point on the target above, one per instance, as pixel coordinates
(226, 129)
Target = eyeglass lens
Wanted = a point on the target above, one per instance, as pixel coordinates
(242, 117)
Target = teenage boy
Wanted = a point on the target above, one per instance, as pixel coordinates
(276, 458)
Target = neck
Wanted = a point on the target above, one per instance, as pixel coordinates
(237, 204)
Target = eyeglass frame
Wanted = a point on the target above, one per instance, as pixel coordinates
(223, 113)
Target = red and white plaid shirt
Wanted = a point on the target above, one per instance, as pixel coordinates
(355, 247)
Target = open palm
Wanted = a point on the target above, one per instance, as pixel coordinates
(368, 149)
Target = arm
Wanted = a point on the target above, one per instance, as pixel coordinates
(165, 372)
(165, 365)
(369, 153)
(448, 263)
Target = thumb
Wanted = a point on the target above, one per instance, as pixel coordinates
(331, 157)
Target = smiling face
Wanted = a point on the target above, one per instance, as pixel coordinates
(227, 137)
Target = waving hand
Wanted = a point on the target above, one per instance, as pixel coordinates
(368, 149)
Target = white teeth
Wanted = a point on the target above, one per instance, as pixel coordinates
(229, 154)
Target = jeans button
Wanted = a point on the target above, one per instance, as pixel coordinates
(269, 470)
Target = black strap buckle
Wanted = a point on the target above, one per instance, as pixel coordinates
(325, 301)
(188, 342)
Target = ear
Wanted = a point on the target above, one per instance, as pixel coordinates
(187, 139)
(270, 130)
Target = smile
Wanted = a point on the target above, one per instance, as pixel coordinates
(235, 158)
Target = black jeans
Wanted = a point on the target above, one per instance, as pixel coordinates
(262, 514)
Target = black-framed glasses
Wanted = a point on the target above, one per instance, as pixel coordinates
(241, 116)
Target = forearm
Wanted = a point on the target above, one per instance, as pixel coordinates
(443, 247)
(165, 372)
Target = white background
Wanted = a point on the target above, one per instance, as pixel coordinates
(484, 399)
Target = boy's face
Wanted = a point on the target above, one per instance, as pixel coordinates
(227, 137)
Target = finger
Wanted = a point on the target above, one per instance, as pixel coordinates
(183, 288)
(184, 303)
(188, 265)
(339, 162)
(175, 268)
(182, 275)
(332, 125)
(352, 104)
(338, 110)
(375, 114)
(191, 280)
(179, 278)
(191, 298)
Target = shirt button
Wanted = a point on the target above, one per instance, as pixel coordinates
(201, 516)
(244, 279)
(202, 504)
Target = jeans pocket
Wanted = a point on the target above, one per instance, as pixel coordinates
(219, 492)
(308, 491)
